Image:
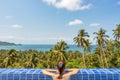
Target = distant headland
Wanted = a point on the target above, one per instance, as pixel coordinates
(2, 43)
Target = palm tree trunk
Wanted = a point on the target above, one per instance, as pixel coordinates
(101, 57)
(84, 59)
(106, 64)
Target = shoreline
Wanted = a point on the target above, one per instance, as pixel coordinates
(43, 47)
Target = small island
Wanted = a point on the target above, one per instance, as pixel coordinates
(2, 43)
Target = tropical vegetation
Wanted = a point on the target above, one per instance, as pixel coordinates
(106, 54)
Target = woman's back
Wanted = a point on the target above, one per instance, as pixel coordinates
(63, 78)
(60, 73)
(66, 76)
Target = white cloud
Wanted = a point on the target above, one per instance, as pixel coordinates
(8, 17)
(71, 5)
(118, 2)
(95, 24)
(50, 2)
(75, 22)
(17, 26)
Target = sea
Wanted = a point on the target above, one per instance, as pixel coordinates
(44, 47)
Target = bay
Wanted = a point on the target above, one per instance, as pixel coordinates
(44, 47)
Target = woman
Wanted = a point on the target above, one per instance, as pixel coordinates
(60, 73)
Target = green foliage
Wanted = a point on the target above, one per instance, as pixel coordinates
(36, 59)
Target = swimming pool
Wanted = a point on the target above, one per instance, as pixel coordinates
(36, 74)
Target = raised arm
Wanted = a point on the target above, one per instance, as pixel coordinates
(71, 72)
(48, 72)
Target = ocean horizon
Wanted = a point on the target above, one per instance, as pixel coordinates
(44, 47)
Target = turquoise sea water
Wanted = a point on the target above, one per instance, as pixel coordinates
(43, 47)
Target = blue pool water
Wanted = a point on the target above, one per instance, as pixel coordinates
(44, 47)
(36, 74)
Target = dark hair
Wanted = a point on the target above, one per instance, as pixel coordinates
(60, 69)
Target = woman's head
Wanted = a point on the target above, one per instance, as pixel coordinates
(60, 67)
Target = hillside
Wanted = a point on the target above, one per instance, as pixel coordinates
(7, 44)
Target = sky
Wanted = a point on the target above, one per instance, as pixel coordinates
(49, 21)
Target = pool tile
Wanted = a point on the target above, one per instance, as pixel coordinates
(83, 74)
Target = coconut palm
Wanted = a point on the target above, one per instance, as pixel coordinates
(110, 47)
(59, 51)
(82, 41)
(87, 46)
(116, 33)
(101, 39)
(70, 54)
(11, 58)
(32, 61)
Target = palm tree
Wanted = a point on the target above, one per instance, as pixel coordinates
(11, 58)
(87, 46)
(81, 41)
(32, 61)
(70, 54)
(110, 47)
(59, 50)
(116, 33)
(101, 39)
